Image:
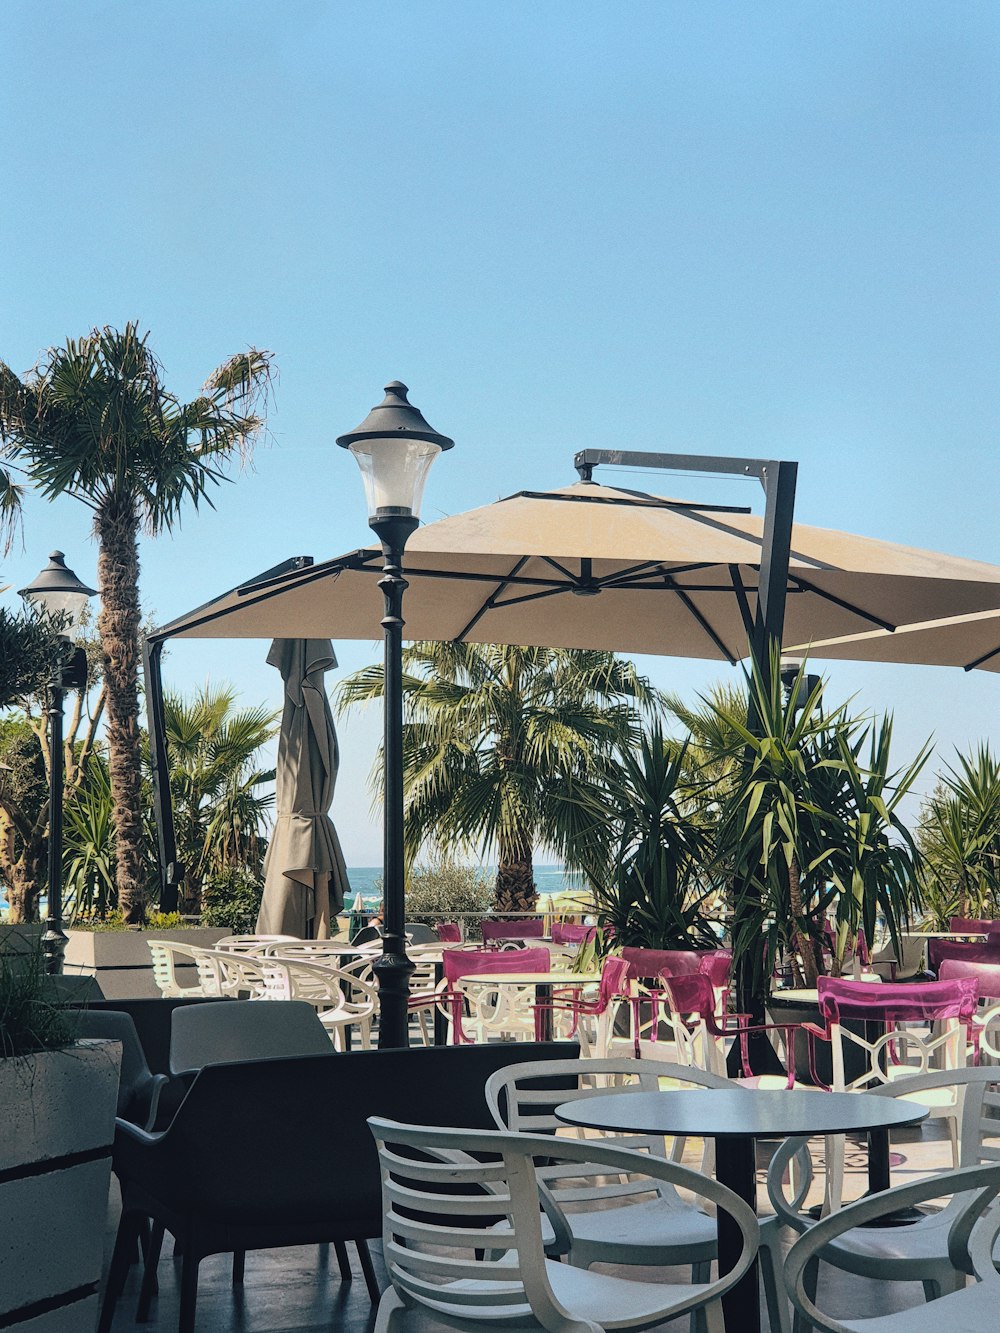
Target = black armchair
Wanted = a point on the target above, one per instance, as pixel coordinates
(277, 1152)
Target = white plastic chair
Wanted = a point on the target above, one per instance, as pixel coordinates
(240, 975)
(252, 943)
(970, 1236)
(437, 1263)
(920, 1252)
(341, 999)
(630, 1230)
(168, 954)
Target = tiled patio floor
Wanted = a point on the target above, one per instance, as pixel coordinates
(299, 1290)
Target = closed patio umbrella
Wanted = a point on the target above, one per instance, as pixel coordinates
(593, 566)
(305, 878)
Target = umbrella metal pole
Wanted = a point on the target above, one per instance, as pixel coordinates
(393, 968)
(54, 939)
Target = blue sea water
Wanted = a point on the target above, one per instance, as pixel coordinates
(548, 879)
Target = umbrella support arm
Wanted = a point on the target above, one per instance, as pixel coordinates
(778, 480)
(393, 969)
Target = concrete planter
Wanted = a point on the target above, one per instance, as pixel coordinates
(55, 1172)
(121, 962)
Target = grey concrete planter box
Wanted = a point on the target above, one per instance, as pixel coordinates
(121, 961)
(55, 1172)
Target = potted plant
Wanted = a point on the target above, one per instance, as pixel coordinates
(655, 893)
(810, 835)
(59, 1098)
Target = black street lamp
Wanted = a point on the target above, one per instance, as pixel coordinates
(796, 686)
(58, 594)
(394, 447)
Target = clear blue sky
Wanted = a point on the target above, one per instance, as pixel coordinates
(765, 229)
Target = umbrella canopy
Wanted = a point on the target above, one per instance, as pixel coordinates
(305, 878)
(592, 566)
(960, 641)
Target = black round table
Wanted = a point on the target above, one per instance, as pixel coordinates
(735, 1119)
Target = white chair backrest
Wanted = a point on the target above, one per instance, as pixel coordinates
(971, 1234)
(973, 1096)
(485, 1174)
(166, 955)
(252, 943)
(211, 1034)
(517, 1102)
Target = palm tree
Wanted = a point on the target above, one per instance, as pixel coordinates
(505, 747)
(215, 782)
(959, 836)
(807, 826)
(94, 420)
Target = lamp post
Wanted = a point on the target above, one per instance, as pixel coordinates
(394, 448)
(795, 684)
(58, 594)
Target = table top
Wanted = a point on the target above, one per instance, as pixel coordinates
(809, 995)
(557, 977)
(740, 1113)
(945, 934)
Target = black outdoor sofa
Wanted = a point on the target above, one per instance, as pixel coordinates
(278, 1152)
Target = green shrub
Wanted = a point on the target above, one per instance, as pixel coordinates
(116, 921)
(29, 1020)
(442, 890)
(231, 900)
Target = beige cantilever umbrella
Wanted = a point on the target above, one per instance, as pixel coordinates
(970, 642)
(592, 566)
(304, 873)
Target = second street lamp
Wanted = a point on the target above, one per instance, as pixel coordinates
(59, 595)
(394, 447)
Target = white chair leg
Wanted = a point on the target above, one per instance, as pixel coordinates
(701, 1272)
(833, 1195)
(770, 1258)
(391, 1312)
(715, 1320)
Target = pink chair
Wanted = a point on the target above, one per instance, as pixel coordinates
(972, 925)
(986, 975)
(945, 1009)
(565, 932)
(701, 1030)
(489, 1009)
(986, 1024)
(613, 983)
(647, 967)
(448, 932)
(966, 951)
(532, 929)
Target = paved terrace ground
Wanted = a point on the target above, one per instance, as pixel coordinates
(298, 1290)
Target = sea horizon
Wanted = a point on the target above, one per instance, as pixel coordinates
(549, 879)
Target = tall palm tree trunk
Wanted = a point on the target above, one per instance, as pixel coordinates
(515, 890)
(117, 527)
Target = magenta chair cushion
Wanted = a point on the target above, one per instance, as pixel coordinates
(986, 975)
(466, 962)
(513, 930)
(448, 932)
(897, 1002)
